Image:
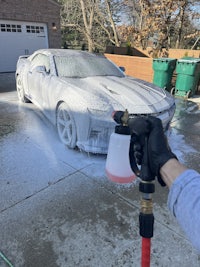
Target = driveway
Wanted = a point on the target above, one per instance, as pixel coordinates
(57, 208)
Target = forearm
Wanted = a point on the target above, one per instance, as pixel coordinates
(184, 203)
(171, 170)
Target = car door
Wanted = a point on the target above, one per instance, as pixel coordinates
(38, 78)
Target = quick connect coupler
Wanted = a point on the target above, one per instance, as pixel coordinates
(146, 217)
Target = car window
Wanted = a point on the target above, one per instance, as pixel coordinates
(41, 60)
(82, 66)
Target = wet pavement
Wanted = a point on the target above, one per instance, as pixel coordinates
(57, 207)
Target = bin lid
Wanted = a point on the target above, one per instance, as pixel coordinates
(189, 60)
(163, 59)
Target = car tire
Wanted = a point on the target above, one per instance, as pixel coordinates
(188, 94)
(20, 90)
(173, 91)
(66, 126)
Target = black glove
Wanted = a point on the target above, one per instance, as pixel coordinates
(159, 151)
(158, 147)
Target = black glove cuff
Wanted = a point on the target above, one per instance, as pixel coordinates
(160, 180)
(164, 158)
(167, 157)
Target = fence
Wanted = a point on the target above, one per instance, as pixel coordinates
(138, 67)
(141, 67)
(176, 53)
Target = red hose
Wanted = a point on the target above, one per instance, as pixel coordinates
(146, 252)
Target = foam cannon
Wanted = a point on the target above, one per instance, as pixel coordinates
(121, 167)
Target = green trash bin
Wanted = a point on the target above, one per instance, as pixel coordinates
(188, 75)
(163, 71)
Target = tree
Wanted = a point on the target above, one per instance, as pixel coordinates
(107, 17)
(163, 21)
(95, 20)
(96, 23)
(152, 19)
(79, 16)
(186, 12)
(88, 13)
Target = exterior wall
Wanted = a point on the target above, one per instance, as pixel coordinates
(142, 68)
(44, 11)
(127, 51)
(138, 67)
(178, 53)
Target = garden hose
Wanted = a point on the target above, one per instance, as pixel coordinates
(6, 260)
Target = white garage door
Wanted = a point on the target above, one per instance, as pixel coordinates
(20, 38)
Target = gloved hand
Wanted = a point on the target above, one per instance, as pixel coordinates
(159, 151)
(158, 147)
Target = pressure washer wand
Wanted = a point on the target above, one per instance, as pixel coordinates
(139, 127)
(146, 217)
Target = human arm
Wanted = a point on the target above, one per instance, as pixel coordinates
(183, 183)
(171, 170)
(184, 188)
(184, 203)
(184, 198)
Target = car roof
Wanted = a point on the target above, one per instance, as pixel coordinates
(64, 52)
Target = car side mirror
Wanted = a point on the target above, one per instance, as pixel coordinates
(122, 68)
(40, 69)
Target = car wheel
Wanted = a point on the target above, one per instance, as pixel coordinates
(173, 91)
(20, 90)
(66, 126)
(188, 94)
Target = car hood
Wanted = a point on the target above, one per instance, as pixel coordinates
(103, 92)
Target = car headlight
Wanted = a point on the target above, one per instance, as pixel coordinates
(99, 112)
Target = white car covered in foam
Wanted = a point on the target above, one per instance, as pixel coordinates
(78, 91)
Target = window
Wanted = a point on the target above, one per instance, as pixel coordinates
(10, 27)
(41, 60)
(82, 66)
(34, 29)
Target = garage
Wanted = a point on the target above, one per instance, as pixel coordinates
(20, 38)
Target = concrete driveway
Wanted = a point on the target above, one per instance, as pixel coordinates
(57, 208)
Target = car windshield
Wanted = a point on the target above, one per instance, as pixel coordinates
(82, 66)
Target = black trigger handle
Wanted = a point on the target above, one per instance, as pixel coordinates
(140, 127)
(132, 160)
